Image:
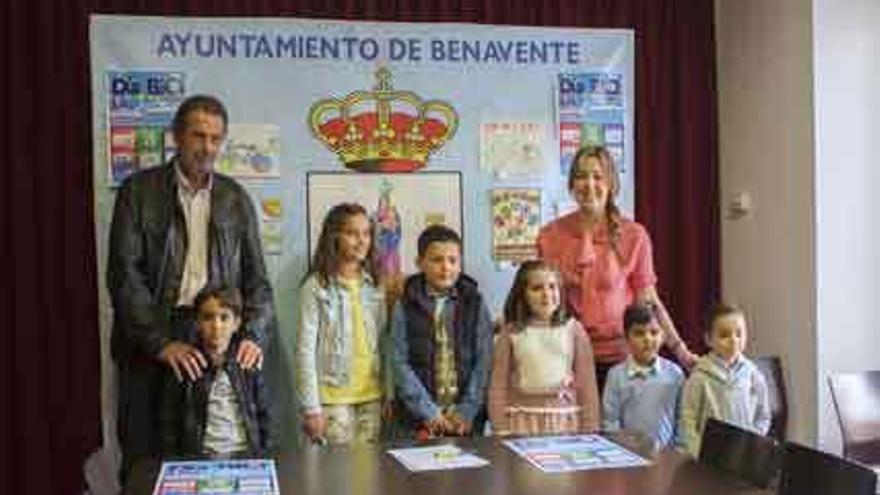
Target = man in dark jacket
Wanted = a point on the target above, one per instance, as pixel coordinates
(176, 229)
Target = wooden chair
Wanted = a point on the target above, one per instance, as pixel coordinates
(771, 368)
(806, 471)
(742, 453)
(856, 399)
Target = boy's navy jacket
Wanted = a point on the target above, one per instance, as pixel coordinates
(185, 409)
(471, 334)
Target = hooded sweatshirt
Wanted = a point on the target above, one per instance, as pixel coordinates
(736, 394)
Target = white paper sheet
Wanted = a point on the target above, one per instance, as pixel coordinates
(437, 457)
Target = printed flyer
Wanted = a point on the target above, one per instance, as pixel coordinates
(516, 220)
(592, 111)
(141, 107)
(573, 453)
(231, 476)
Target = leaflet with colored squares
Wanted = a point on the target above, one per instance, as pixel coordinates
(229, 476)
(574, 453)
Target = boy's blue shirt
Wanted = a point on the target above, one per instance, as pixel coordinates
(643, 399)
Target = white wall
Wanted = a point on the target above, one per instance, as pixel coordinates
(766, 149)
(847, 116)
(799, 126)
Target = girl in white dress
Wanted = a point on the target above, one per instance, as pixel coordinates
(543, 377)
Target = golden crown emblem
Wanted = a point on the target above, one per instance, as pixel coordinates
(396, 133)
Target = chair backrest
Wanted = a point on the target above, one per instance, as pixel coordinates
(856, 399)
(771, 368)
(807, 471)
(745, 454)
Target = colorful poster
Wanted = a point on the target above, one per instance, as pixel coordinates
(592, 111)
(252, 151)
(268, 202)
(574, 453)
(512, 149)
(233, 476)
(516, 220)
(140, 106)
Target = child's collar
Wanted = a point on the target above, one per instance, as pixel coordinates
(635, 368)
(439, 294)
(724, 364)
(364, 278)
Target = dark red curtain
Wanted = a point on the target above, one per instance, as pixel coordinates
(51, 375)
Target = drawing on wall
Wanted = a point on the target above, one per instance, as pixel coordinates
(516, 220)
(512, 149)
(401, 204)
(386, 240)
(252, 151)
(267, 201)
(383, 130)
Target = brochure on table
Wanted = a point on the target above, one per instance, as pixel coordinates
(574, 453)
(229, 476)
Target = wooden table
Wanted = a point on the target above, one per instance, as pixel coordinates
(368, 470)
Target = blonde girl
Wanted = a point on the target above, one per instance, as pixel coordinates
(340, 376)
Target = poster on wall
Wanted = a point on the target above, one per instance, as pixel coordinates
(401, 206)
(268, 203)
(516, 220)
(251, 151)
(140, 108)
(592, 111)
(512, 149)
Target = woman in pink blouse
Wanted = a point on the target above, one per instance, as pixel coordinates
(605, 260)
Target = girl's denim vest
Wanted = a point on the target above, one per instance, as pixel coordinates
(326, 333)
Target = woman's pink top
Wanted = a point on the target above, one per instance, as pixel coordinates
(599, 283)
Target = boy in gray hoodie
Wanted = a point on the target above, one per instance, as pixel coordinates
(724, 384)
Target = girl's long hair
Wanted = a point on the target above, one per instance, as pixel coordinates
(325, 261)
(516, 308)
(613, 218)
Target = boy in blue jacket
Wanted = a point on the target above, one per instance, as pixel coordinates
(442, 335)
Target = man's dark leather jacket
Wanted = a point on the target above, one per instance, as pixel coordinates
(147, 252)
